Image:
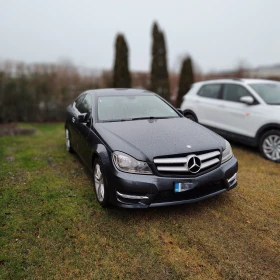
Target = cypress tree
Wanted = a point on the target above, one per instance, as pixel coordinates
(154, 67)
(159, 73)
(121, 75)
(186, 79)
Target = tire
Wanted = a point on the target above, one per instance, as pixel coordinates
(269, 145)
(190, 117)
(100, 183)
(68, 141)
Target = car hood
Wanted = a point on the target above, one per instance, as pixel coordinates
(147, 139)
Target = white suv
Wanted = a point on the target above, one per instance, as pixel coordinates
(244, 110)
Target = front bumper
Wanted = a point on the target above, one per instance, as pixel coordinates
(142, 191)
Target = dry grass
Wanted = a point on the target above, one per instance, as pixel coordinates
(52, 227)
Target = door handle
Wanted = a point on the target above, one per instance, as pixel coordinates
(222, 106)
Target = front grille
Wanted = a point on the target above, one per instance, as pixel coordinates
(200, 191)
(179, 165)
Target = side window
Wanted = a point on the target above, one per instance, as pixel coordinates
(86, 105)
(233, 92)
(83, 104)
(77, 103)
(210, 91)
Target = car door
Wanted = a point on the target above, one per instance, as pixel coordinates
(84, 128)
(238, 117)
(207, 103)
(73, 122)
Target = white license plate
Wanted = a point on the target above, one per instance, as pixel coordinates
(182, 187)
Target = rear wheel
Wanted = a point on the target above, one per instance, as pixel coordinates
(100, 184)
(270, 145)
(68, 141)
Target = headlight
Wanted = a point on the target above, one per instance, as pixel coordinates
(227, 153)
(129, 164)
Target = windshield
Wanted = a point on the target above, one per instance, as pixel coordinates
(132, 107)
(269, 92)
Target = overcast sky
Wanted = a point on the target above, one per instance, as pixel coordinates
(218, 34)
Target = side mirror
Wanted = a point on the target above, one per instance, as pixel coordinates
(180, 111)
(249, 100)
(83, 118)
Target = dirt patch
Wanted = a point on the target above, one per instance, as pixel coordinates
(10, 158)
(12, 129)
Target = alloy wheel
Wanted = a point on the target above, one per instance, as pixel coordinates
(99, 183)
(67, 140)
(271, 147)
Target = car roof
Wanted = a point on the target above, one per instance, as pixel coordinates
(258, 81)
(119, 91)
(236, 80)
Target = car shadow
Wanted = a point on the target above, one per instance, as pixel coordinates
(244, 147)
(191, 210)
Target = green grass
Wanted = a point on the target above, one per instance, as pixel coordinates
(51, 226)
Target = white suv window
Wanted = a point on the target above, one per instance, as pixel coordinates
(233, 92)
(210, 91)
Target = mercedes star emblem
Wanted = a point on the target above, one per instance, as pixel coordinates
(193, 163)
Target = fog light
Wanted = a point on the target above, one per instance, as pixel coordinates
(233, 179)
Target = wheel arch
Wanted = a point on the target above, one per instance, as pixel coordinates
(188, 111)
(94, 156)
(265, 128)
(100, 151)
(103, 154)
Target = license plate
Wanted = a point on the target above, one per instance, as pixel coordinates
(182, 187)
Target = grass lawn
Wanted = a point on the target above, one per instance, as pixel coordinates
(51, 226)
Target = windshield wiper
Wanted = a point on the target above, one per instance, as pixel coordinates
(152, 118)
(140, 118)
(118, 120)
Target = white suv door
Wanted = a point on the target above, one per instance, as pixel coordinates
(236, 116)
(205, 104)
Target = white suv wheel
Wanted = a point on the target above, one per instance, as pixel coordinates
(270, 145)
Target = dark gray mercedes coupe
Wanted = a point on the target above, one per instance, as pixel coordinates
(145, 153)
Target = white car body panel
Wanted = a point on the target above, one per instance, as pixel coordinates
(235, 117)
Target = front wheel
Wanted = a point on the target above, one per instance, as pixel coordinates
(270, 145)
(100, 184)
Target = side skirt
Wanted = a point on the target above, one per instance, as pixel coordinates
(250, 141)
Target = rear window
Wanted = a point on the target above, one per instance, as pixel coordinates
(210, 91)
